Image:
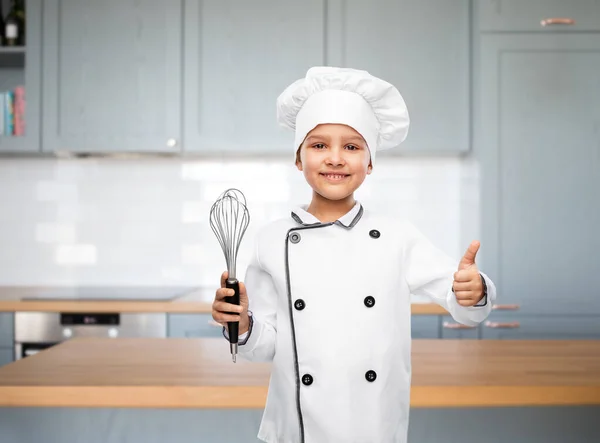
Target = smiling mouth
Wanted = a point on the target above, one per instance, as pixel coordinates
(334, 177)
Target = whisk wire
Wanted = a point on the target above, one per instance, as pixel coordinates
(229, 219)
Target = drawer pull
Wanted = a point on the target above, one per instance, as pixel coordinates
(497, 325)
(457, 326)
(557, 21)
(506, 307)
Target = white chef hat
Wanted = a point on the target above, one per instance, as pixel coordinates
(371, 106)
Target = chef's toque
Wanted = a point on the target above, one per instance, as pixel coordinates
(371, 106)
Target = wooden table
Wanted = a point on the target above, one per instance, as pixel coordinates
(198, 373)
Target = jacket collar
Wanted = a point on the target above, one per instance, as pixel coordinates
(348, 220)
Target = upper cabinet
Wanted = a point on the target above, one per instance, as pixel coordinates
(203, 76)
(239, 56)
(421, 47)
(20, 86)
(538, 15)
(112, 75)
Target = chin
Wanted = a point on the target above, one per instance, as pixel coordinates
(334, 194)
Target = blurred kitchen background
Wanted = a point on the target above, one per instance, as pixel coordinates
(121, 122)
(196, 82)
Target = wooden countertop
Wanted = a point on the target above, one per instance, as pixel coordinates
(190, 301)
(198, 373)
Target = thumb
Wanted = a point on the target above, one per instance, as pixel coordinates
(469, 257)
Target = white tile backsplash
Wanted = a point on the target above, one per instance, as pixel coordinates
(146, 221)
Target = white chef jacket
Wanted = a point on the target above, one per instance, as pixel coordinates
(331, 308)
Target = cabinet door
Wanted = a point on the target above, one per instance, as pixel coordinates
(519, 15)
(422, 48)
(6, 329)
(540, 160)
(239, 56)
(112, 73)
(193, 325)
(425, 326)
(6, 356)
(453, 330)
(549, 327)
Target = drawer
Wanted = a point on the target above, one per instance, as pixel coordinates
(193, 325)
(6, 356)
(549, 327)
(425, 326)
(453, 330)
(6, 329)
(519, 15)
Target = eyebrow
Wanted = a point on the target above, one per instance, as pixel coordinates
(353, 138)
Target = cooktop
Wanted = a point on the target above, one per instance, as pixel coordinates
(137, 293)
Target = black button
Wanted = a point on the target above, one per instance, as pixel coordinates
(307, 379)
(295, 237)
(371, 376)
(299, 304)
(369, 301)
(374, 233)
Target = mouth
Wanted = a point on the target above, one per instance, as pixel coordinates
(334, 177)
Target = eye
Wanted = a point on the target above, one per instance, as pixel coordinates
(319, 145)
(352, 147)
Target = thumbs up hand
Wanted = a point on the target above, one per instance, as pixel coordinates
(467, 285)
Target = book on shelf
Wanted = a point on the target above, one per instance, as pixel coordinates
(12, 112)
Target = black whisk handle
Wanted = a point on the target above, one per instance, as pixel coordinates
(233, 327)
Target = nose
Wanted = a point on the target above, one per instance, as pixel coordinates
(335, 157)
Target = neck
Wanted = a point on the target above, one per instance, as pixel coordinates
(329, 210)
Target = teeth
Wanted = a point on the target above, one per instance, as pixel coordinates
(335, 176)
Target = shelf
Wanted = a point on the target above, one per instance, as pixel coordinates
(12, 50)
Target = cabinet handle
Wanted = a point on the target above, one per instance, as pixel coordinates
(171, 143)
(496, 325)
(557, 21)
(506, 307)
(457, 326)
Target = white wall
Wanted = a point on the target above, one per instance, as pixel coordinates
(107, 221)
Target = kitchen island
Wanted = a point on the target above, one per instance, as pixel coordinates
(189, 390)
(198, 373)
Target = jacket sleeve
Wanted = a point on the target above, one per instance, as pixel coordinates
(430, 272)
(258, 344)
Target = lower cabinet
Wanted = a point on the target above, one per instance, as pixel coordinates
(6, 356)
(453, 330)
(192, 325)
(6, 329)
(425, 326)
(541, 327)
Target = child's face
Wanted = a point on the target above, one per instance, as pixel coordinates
(335, 160)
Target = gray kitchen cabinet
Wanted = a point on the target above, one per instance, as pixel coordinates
(422, 48)
(6, 356)
(192, 325)
(538, 126)
(238, 58)
(425, 326)
(541, 327)
(112, 75)
(453, 330)
(519, 15)
(6, 329)
(20, 67)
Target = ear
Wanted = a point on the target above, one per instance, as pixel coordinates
(370, 167)
(298, 160)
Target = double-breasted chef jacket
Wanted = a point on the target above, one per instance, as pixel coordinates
(331, 308)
